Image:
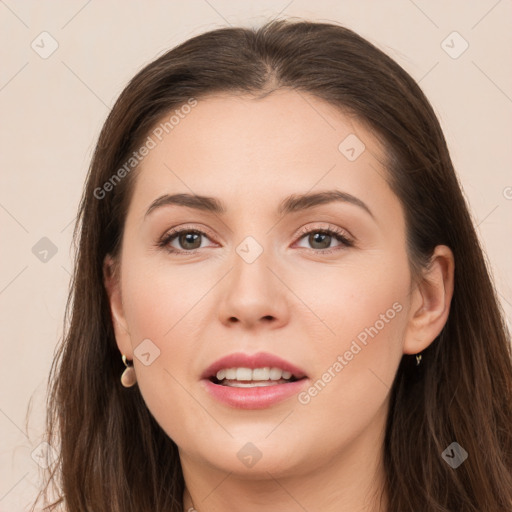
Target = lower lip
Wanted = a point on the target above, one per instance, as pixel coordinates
(253, 398)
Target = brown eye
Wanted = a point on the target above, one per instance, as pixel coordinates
(183, 241)
(322, 239)
(189, 240)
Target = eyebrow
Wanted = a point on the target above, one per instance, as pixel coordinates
(292, 203)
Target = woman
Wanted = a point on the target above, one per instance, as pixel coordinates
(275, 254)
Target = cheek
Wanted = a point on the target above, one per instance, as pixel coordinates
(158, 297)
(357, 331)
(165, 303)
(357, 355)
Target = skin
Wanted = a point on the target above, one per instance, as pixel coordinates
(292, 301)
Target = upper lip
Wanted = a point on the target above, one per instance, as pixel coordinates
(259, 360)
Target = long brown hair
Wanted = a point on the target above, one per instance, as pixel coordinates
(113, 456)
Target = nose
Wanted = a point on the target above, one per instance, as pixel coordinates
(253, 295)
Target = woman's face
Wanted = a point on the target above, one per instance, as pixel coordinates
(264, 278)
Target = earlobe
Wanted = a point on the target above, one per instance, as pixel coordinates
(431, 301)
(112, 283)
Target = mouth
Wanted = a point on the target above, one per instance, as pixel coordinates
(252, 381)
(243, 377)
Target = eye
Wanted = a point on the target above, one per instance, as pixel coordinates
(188, 240)
(321, 239)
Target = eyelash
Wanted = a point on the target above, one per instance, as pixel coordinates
(338, 234)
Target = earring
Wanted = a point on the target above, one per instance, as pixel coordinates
(418, 359)
(128, 378)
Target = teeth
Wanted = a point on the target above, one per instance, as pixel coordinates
(248, 375)
(243, 374)
(261, 373)
(275, 373)
(231, 373)
(256, 384)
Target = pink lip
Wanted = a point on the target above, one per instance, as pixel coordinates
(257, 397)
(253, 398)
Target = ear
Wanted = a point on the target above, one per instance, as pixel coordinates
(112, 283)
(430, 301)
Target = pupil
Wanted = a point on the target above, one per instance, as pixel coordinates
(314, 239)
(189, 238)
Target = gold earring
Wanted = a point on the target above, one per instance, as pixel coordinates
(128, 378)
(418, 359)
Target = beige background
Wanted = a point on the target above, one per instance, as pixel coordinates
(52, 110)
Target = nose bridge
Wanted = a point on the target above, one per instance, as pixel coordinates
(252, 291)
(251, 259)
(251, 240)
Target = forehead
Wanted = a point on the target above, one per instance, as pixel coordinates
(250, 150)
